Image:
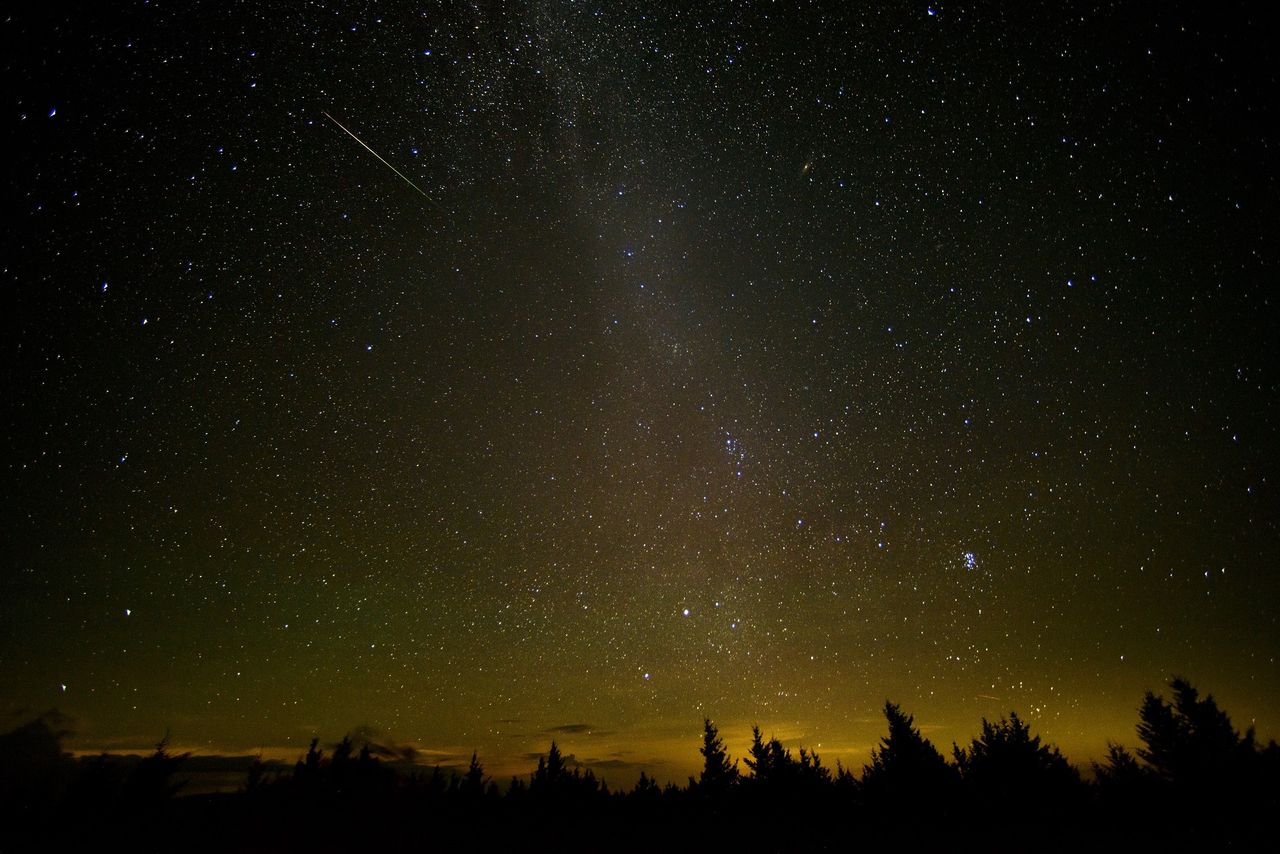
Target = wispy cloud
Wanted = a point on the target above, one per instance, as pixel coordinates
(576, 729)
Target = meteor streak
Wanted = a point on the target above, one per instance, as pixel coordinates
(403, 177)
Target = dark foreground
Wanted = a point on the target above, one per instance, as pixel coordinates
(1195, 784)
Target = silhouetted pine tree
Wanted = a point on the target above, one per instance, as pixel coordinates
(1120, 769)
(342, 752)
(757, 758)
(1195, 770)
(770, 763)
(306, 773)
(256, 779)
(1125, 787)
(550, 773)
(646, 789)
(518, 789)
(845, 783)
(777, 774)
(436, 785)
(1209, 770)
(1190, 741)
(151, 782)
(554, 780)
(719, 775)
(1008, 769)
(811, 773)
(473, 780)
(907, 771)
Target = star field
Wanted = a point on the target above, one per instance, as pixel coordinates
(746, 360)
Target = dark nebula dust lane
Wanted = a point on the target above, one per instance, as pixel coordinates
(743, 362)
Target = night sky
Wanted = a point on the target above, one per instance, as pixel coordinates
(756, 361)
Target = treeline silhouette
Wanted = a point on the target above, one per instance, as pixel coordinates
(1194, 782)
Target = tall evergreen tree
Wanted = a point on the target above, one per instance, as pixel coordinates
(151, 782)
(757, 758)
(555, 763)
(1190, 740)
(812, 772)
(473, 780)
(551, 775)
(1006, 766)
(1120, 768)
(907, 769)
(718, 775)
(646, 788)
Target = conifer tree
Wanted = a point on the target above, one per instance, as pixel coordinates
(906, 768)
(718, 773)
(1189, 739)
(757, 755)
(646, 788)
(473, 780)
(1008, 767)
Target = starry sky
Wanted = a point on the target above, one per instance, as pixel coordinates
(762, 361)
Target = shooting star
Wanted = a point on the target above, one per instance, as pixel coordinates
(403, 177)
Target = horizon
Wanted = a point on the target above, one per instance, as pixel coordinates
(600, 750)
(1193, 781)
